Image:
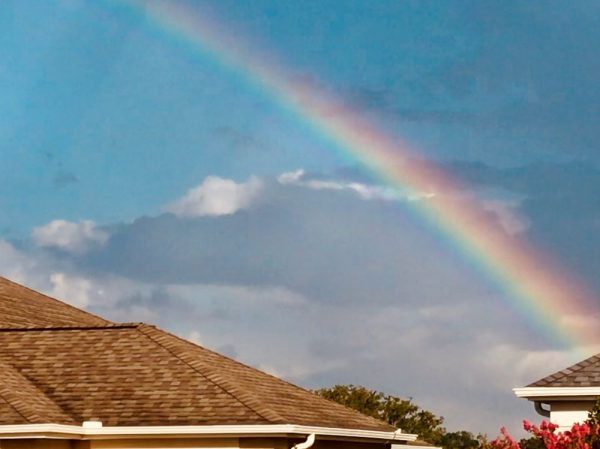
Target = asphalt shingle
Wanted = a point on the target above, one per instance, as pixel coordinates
(581, 374)
(63, 365)
(21, 307)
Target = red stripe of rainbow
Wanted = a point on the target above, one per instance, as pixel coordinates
(535, 285)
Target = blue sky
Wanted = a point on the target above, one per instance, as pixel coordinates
(142, 180)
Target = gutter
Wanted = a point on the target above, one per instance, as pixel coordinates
(541, 410)
(557, 393)
(97, 431)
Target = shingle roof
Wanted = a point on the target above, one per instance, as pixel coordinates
(27, 400)
(82, 368)
(21, 306)
(582, 374)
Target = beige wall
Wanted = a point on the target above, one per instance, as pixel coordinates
(154, 443)
(330, 444)
(43, 444)
(166, 443)
(348, 445)
(263, 443)
(566, 413)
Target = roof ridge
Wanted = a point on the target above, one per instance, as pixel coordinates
(13, 283)
(14, 385)
(70, 327)
(219, 379)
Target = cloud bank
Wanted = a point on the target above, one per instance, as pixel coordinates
(334, 270)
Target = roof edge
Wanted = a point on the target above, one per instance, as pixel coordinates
(82, 432)
(73, 327)
(560, 393)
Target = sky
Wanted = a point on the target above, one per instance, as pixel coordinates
(144, 178)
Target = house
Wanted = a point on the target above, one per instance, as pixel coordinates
(71, 379)
(566, 396)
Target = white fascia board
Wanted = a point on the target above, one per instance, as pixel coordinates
(556, 392)
(80, 432)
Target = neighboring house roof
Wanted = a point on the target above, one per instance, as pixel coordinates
(580, 381)
(64, 366)
(582, 374)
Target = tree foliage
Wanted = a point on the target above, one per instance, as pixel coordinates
(461, 440)
(401, 413)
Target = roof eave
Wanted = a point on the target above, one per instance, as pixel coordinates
(62, 431)
(557, 393)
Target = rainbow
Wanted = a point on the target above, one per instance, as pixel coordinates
(552, 300)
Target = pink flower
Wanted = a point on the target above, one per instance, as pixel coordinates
(579, 437)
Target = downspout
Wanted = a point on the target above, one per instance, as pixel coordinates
(308, 443)
(541, 410)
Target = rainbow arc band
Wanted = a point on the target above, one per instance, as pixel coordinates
(541, 290)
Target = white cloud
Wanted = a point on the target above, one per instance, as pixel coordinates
(364, 191)
(291, 177)
(34, 270)
(72, 237)
(71, 289)
(195, 337)
(15, 265)
(516, 366)
(217, 196)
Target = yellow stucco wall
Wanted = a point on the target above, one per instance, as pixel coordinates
(264, 443)
(43, 444)
(167, 443)
(153, 443)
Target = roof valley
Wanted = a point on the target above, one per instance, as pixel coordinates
(27, 399)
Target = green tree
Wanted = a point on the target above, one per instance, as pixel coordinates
(532, 443)
(594, 414)
(405, 415)
(594, 422)
(401, 413)
(460, 440)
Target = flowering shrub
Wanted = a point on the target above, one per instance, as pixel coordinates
(581, 436)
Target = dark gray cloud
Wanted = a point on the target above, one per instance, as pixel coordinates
(328, 245)
(515, 73)
(238, 140)
(64, 179)
(561, 203)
